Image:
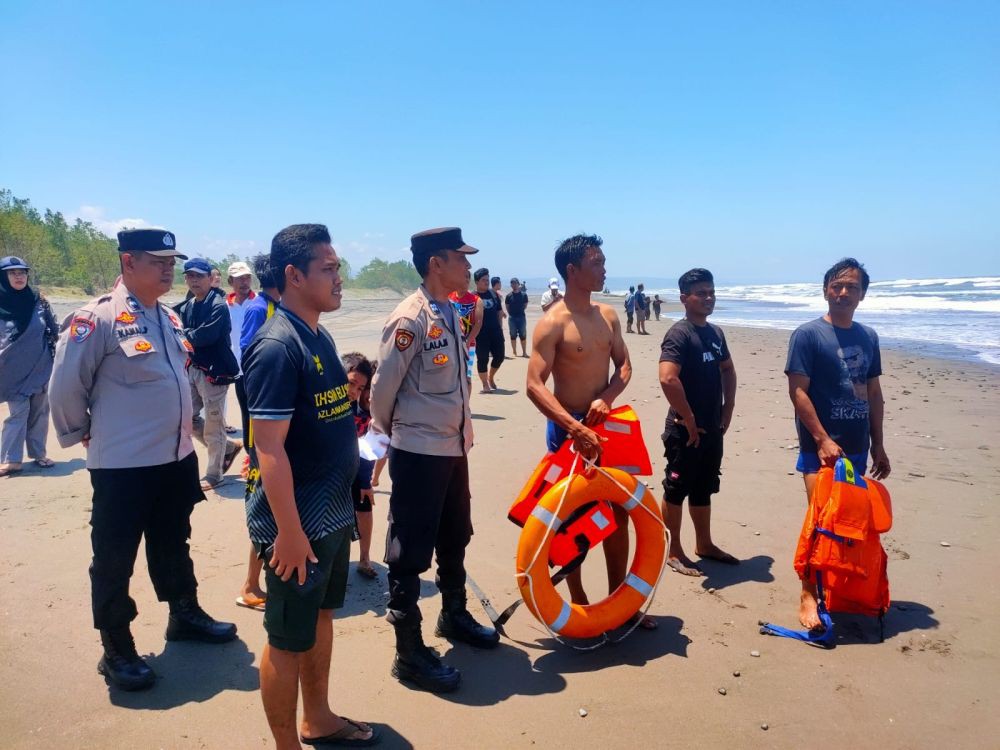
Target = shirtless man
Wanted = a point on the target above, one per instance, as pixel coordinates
(575, 342)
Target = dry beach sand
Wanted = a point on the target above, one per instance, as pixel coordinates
(930, 684)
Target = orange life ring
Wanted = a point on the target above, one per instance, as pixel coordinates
(535, 584)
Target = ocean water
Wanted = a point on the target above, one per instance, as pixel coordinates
(953, 318)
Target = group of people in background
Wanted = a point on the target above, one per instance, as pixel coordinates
(134, 381)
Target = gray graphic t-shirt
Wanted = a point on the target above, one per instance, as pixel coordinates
(839, 362)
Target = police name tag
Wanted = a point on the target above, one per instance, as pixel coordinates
(135, 346)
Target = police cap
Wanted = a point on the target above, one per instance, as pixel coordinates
(158, 242)
(433, 241)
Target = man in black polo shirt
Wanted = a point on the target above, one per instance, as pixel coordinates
(699, 381)
(304, 455)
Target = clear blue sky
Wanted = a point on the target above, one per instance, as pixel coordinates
(760, 139)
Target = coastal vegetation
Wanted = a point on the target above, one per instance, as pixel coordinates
(80, 256)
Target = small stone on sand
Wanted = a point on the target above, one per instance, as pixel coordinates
(736, 673)
(764, 727)
(711, 591)
(583, 712)
(945, 544)
(755, 653)
(722, 691)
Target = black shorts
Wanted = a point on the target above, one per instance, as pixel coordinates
(361, 504)
(691, 472)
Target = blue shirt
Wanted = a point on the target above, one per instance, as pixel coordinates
(839, 362)
(259, 309)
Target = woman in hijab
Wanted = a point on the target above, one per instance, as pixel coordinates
(28, 333)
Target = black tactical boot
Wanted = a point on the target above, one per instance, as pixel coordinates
(456, 623)
(121, 664)
(416, 663)
(189, 622)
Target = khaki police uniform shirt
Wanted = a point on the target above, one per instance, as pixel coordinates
(420, 394)
(120, 375)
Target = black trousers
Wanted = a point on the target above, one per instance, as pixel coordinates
(490, 343)
(429, 513)
(151, 501)
(241, 399)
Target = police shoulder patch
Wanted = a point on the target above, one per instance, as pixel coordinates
(403, 339)
(80, 329)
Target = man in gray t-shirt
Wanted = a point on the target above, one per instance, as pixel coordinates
(833, 373)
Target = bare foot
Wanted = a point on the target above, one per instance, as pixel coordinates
(647, 622)
(684, 566)
(717, 554)
(808, 612)
(493, 385)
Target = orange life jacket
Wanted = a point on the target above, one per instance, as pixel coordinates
(624, 449)
(839, 546)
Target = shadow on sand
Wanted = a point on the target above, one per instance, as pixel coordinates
(719, 575)
(193, 673)
(370, 595)
(491, 677)
(61, 469)
(854, 629)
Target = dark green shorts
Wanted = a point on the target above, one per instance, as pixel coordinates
(289, 616)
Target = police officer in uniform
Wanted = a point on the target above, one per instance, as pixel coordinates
(420, 398)
(119, 387)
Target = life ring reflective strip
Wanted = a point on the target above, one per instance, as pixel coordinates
(539, 594)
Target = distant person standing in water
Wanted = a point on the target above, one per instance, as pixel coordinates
(28, 334)
(657, 302)
(833, 371)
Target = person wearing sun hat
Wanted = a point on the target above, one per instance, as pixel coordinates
(120, 388)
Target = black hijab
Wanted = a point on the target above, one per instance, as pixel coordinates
(17, 305)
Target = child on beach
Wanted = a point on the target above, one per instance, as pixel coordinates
(699, 381)
(359, 377)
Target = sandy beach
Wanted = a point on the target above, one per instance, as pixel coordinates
(927, 685)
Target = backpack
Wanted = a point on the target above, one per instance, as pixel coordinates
(629, 302)
(840, 548)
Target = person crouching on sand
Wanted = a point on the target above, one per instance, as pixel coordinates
(699, 381)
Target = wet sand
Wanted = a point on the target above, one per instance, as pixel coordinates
(930, 684)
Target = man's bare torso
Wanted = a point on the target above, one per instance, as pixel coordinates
(580, 370)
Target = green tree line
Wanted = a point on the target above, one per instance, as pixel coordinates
(60, 254)
(81, 256)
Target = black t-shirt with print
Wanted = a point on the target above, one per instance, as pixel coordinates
(491, 312)
(698, 350)
(294, 374)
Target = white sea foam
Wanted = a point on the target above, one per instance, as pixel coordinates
(957, 315)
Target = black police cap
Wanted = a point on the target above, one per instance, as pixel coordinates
(432, 241)
(158, 242)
